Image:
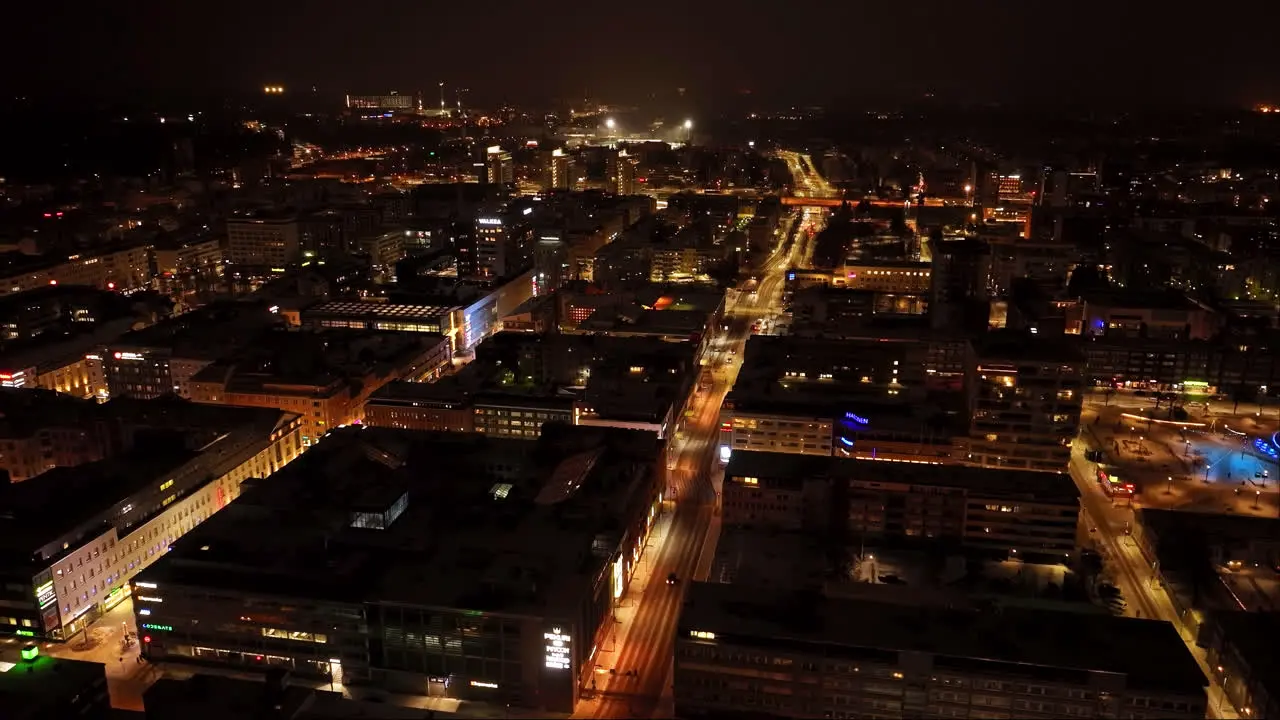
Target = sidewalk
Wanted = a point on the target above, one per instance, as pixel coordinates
(606, 656)
(1219, 706)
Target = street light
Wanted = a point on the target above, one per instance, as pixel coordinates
(609, 123)
(688, 124)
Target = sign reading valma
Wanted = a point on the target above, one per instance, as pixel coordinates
(557, 649)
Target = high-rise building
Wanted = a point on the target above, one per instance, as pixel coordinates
(503, 244)
(620, 173)
(263, 241)
(1026, 393)
(499, 168)
(560, 171)
(958, 277)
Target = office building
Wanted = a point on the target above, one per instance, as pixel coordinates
(445, 564)
(492, 246)
(71, 538)
(41, 430)
(161, 359)
(911, 278)
(762, 653)
(560, 170)
(40, 687)
(1011, 513)
(520, 381)
(118, 267)
(959, 278)
(384, 249)
(391, 102)
(551, 266)
(499, 167)
(263, 241)
(323, 376)
(440, 406)
(620, 173)
(516, 415)
(465, 325)
(1026, 394)
(857, 426)
(188, 264)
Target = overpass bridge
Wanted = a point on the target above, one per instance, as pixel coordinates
(831, 202)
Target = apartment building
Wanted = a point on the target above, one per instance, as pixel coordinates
(162, 359)
(767, 654)
(780, 426)
(1026, 394)
(122, 267)
(516, 415)
(1007, 513)
(263, 241)
(41, 430)
(72, 538)
(909, 278)
(325, 377)
(420, 406)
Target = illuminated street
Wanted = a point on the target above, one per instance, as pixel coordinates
(1209, 463)
(1215, 462)
(684, 542)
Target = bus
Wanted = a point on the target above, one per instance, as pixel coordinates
(1112, 486)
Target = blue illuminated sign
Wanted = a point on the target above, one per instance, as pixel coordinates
(856, 418)
(1263, 447)
(791, 276)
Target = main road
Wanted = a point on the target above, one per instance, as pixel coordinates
(1110, 527)
(642, 657)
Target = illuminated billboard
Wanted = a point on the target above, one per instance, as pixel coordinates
(556, 649)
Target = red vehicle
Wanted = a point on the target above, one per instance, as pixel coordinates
(1112, 486)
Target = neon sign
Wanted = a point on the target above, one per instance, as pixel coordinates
(557, 649)
(856, 418)
(45, 595)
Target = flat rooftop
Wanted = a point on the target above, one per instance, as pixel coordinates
(1004, 483)
(30, 689)
(173, 433)
(382, 311)
(25, 412)
(1036, 643)
(1142, 299)
(460, 541)
(1019, 346)
(279, 357)
(208, 333)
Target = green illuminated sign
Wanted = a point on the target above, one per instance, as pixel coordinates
(30, 652)
(26, 633)
(161, 628)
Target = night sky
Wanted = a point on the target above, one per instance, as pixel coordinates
(521, 50)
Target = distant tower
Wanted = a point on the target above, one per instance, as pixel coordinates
(560, 171)
(620, 173)
(499, 168)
